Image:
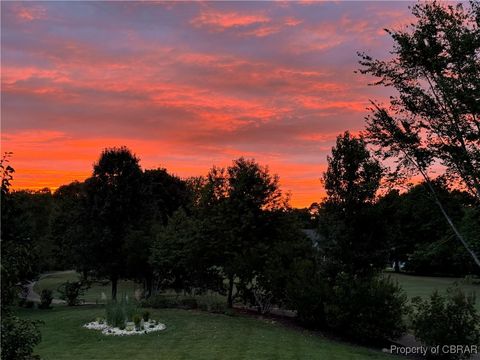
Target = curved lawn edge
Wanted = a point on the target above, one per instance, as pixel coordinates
(188, 335)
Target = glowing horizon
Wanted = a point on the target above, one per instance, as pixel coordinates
(186, 85)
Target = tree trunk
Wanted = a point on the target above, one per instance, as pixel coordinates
(114, 280)
(396, 266)
(230, 291)
(148, 286)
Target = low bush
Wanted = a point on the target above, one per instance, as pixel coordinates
(305, 292)
(188, 303)
(160, 302)
(138, 321)
(146, 315)
(28, 304)
(446, 319)
(212, 305)
(172, 302)
(366, 309)
(71, 291)
(46, 297)
(19, 337)
(229, 312)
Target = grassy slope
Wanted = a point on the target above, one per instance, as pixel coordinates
(189, 335)
(423, 286)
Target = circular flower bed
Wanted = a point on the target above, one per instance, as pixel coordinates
(148, 327)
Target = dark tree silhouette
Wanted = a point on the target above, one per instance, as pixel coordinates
(435, 118)
(235, 203)
(113, 199)
(18, 336)
(352, 234)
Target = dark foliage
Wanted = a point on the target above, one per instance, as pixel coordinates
(46, 297)
(113, 200)
(434, 117)
(447, 319)
(418, 235)
(366, 309)
(19, 338)
(352, 232)
(72, 291)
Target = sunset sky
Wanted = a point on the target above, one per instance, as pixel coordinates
(186, 85)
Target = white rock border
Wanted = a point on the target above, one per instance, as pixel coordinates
(109, 330)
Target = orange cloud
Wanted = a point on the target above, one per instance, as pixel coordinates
(51, 159)
(219, 21)
(184, 85)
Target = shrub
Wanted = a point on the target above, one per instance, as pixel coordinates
(146, 315)
(446, 319)
(203, 306)
(263, 299)
(188, 303)
(46, 297)
(71, 291)
(230, 312)
(211, 304)
(305, 291)
(160, 302)
(137, 320)
(366, 309)
(28, 304)
(19, 337)
(217, 307)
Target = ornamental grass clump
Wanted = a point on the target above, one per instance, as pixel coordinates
(117, 313)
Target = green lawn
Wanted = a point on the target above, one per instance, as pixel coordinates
(423, 286)
(197, 335)
(53, 280)
(414, 285)
(189, 335)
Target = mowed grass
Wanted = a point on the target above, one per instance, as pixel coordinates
(424, 286)
(189, 335)
(414, 285)
(53, 280)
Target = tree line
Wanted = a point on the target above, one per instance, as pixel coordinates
(234, 233)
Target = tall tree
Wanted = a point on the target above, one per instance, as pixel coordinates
(18, 336)
(18, 255)
(435, 116)
(162, 195)
(352, 235)
(113, 199)
(71, 228)
(32, 221)
(237, 202)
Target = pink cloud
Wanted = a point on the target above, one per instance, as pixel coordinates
(219, 21)
(29, 13)
(264, 80)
